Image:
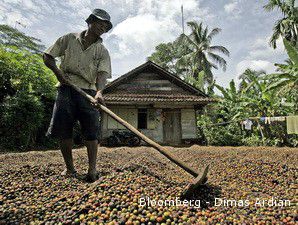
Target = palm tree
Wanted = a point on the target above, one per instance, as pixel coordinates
(286, 27)
(197, 53)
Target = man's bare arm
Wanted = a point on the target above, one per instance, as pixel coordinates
(100, 84)
(101, 80)
(49, 61)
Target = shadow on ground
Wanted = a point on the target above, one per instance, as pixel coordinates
(206, 194)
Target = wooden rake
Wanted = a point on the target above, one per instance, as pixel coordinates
(199, 178)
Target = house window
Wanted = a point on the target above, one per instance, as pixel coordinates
(142, 118)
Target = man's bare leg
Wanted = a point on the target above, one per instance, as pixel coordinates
(92, 155)
(66, 149)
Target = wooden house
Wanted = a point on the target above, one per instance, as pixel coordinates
(156, 102)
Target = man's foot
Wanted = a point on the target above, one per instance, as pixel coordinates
(69, 174)
(92, 176)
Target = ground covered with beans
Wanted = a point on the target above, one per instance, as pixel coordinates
(245, 185)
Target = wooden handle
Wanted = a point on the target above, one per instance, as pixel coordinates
(158, 147)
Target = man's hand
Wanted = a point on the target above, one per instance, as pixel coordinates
(98, 97)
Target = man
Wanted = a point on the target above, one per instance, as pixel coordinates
(85, 62)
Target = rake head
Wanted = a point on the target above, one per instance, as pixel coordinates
(200, 180)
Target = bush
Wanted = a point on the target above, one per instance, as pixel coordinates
(253, 140)
(27, 93)
(293, 140)
(226, 135)
(22, 115)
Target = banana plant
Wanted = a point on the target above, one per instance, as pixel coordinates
(231, 106)
(286, 81)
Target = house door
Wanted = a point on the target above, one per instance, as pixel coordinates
(172, 126)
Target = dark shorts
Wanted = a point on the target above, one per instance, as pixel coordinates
(70, 107)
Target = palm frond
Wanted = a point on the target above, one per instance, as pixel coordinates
(218, 59)
(283, 6)
(205, 34)
(218, 48)
(276, 33)
(188, 42)
(283, 76)
(214, 32)
(213, 65)
(194, 25)
(272, 4)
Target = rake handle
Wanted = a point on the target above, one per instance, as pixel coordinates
(158, 147)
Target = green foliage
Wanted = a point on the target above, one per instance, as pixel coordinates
(165, 56)
(253, 140)
(259, 95)
(293, 141)
(286, 82)
(292, 52)
(192, 56)
(27, 93)
(227, 135)
(198, 52)
(12, 37)
(21, 117)
(24, 71)
(287, 27)
(253, 99)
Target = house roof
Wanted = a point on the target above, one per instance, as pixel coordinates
(150, 98)
(192, 95)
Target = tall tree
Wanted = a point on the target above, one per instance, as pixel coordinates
(287, 27)
(193, 56)
(165, 55)
(200, 53)
(10, 36)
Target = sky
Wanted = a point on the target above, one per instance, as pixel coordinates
(139, 26)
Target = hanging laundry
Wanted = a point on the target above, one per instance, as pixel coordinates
(267, 120)
(292, 124)
(247, 124)
(278, 118)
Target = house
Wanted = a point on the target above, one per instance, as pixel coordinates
(159, 104)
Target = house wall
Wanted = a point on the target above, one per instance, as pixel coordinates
(130, 114)
(154, 122)
(188, 124)
(150, 82)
